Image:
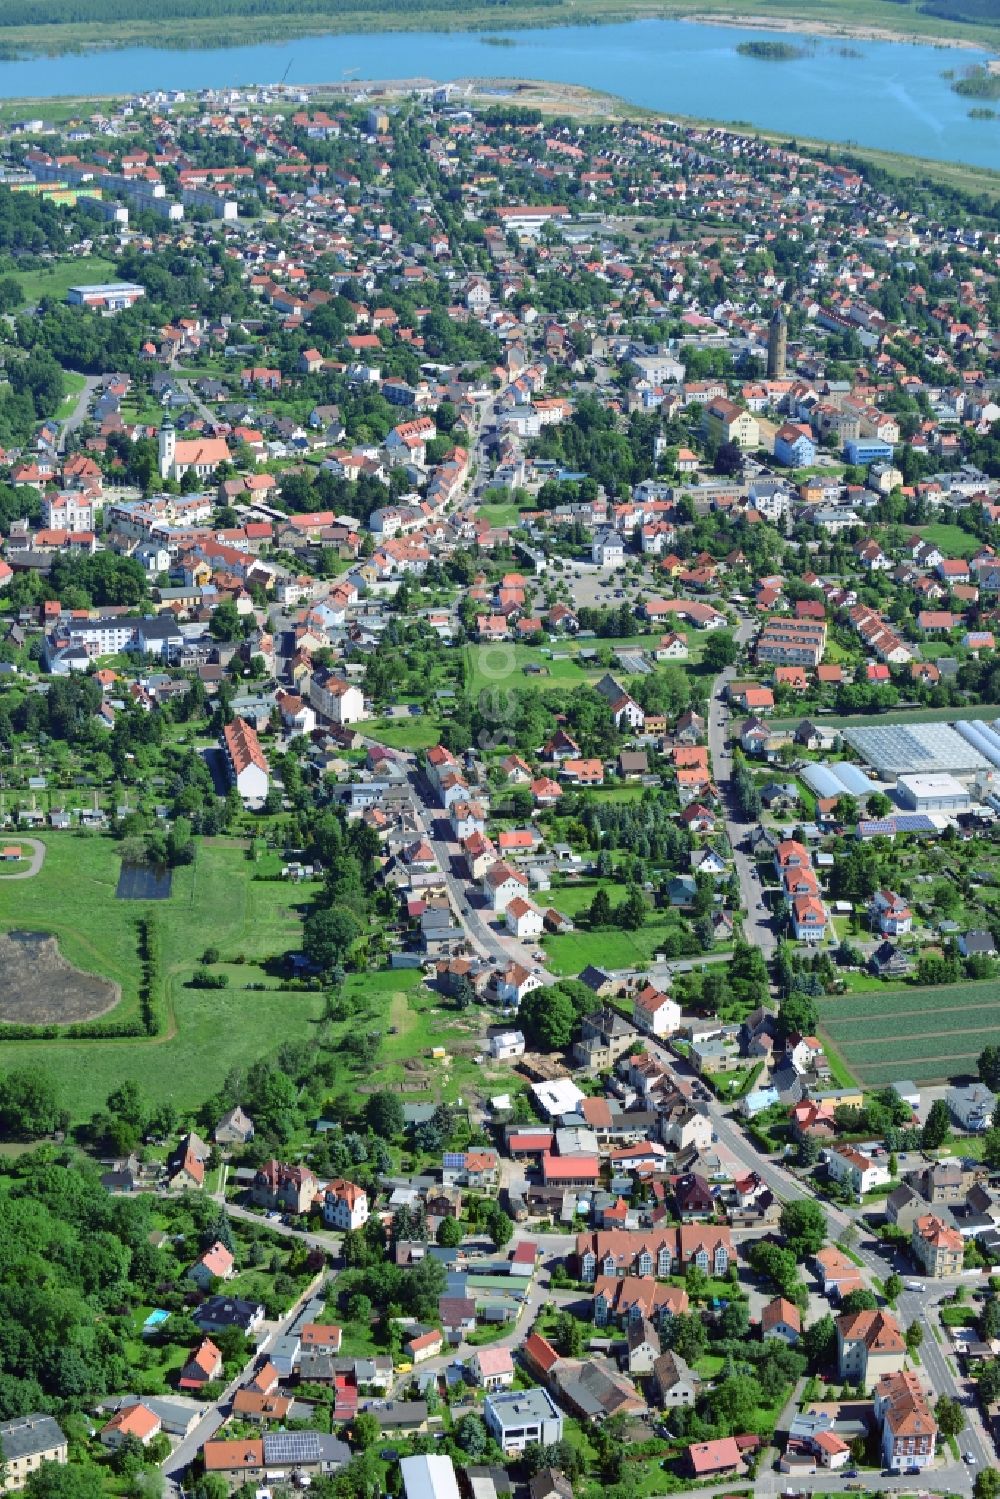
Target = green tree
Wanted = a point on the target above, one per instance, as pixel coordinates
(914, 1336)
(600, 909)
(987, 1484)
(365, 1430)
(859, 1301)
(29, 1104)
(720, 650)
(989, 1067)
(804, 1227)
(937, 1127)
(950, 1416)
(893, 1287)
(64, 1481)
(329, 936)
(450, 1233)
(384, 1114)
(548, 1018)
(991, 1148)
(500, 1227)
(819, 1342)
(472, 1437)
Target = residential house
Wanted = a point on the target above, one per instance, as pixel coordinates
(516, 1419)
(909, 1430)
(937, 1247)
(345, 1205)
(27, 1442)
(869, 1344)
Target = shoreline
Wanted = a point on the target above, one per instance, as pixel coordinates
(829, 31)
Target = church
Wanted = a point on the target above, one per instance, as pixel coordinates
(200, 455)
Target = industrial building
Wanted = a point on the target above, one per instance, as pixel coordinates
(893, 750)
(935, 791)
(107, 296)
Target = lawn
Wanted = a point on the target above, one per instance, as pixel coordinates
(488, 667)
(927, 1034)
(504, 664)
(418, 733)
(953, 540)
(73, 384)
(570, 953)
(500, 515)
(55, 280)
(216, 902)
(413, 1022)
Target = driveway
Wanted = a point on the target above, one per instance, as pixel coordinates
(78, 415)
(37, 859)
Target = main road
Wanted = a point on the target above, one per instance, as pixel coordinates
(757, 927)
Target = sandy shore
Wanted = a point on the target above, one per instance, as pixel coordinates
(840, 32)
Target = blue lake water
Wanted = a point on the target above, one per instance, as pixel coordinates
(892, 95)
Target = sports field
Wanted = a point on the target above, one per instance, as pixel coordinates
(929, 1035)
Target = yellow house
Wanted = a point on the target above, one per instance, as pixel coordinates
(726, 422)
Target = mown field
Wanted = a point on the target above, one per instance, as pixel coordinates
(55, 280)
(215, 902)
(929, 1035)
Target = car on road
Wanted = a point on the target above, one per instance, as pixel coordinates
(970, 1458)
(913, 1285)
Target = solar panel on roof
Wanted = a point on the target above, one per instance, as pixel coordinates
(291, 1447)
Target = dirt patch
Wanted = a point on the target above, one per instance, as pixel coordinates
(39, 987)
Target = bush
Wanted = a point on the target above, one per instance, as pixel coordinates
(202, 979)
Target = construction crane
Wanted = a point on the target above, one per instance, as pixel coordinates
(281, 83)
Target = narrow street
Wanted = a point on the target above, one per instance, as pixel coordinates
(184, 1454)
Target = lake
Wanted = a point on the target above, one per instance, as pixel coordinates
(890, 95)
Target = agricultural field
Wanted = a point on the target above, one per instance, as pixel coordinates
(929, 1035)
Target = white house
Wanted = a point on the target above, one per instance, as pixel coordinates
(501, 884)
(345, 1205)
(656, 1013)
(522, 918)
(248, 767)
(857, 1171)
(607, 549)
(493, 1368)
(508, 1044)
(336, 698)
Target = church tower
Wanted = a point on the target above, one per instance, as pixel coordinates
(167, 448)
(777, 345)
